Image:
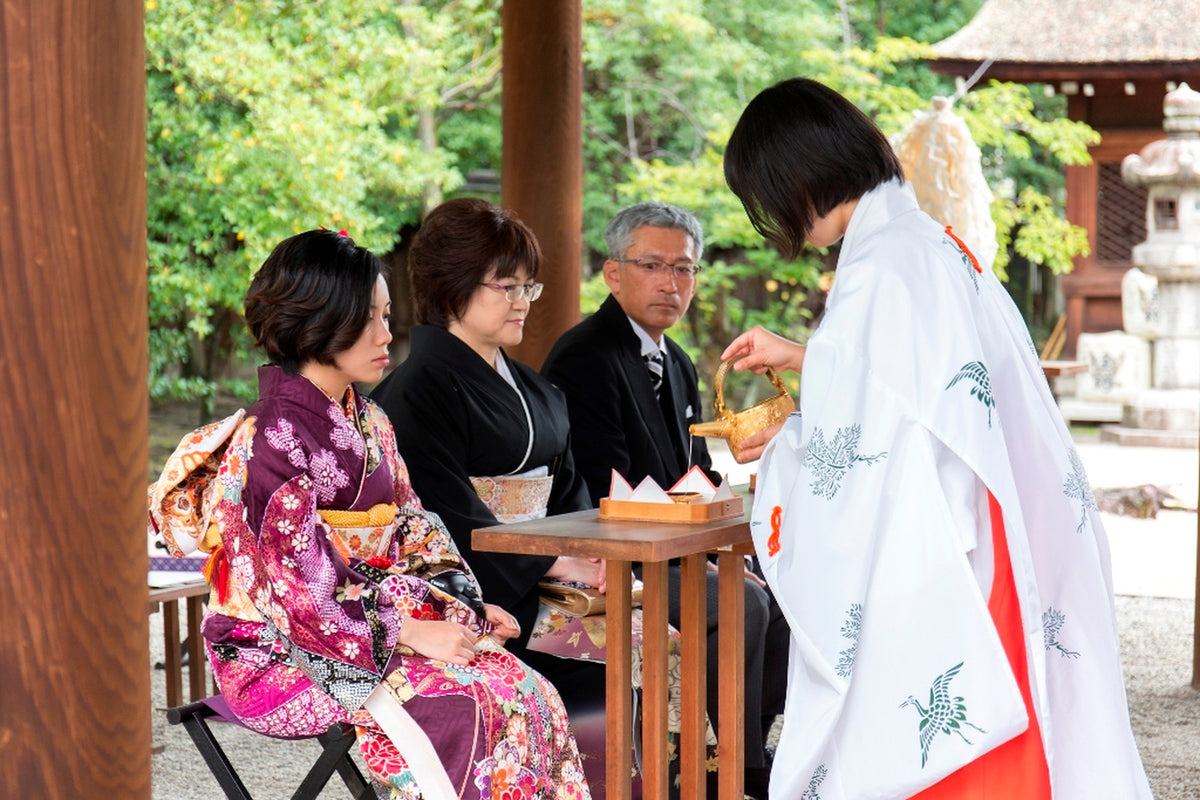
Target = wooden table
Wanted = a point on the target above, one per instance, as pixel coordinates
(622, 542)
(168, 598)
(1056, 369)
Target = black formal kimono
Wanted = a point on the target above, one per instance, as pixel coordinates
(455, 418)
(616, 421)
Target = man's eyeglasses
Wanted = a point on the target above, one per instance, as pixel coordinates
(680, 271)
(517, 291)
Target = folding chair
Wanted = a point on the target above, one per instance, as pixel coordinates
(335, 752)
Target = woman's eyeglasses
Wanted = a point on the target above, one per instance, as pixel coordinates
(517, 291)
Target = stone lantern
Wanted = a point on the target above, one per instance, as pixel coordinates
(1170, 169)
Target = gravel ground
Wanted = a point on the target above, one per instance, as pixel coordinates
(1156, 649)
(1154, 611)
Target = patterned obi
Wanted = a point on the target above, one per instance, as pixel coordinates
(361, 534)
(516, 498)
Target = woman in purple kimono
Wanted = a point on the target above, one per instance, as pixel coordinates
(336, 595)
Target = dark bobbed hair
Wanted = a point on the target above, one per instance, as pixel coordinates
(459, 243)
(311, 299)
(799, 151)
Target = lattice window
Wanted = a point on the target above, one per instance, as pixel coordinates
(1120, 216)
(1165, 218)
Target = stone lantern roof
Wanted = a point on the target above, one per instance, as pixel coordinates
(1176, 159)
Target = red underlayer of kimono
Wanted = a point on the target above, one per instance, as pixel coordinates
(1016, 768)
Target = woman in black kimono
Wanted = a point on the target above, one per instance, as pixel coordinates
(485, 437)
(486, 440)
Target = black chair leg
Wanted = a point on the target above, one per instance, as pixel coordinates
(335, 756)
(192, 717)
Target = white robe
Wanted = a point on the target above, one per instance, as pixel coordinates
(921, 391)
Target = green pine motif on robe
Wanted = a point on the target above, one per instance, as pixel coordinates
(851, 628)
(1052, 624)
(830, 461)
(1077, 487)
(814, 783)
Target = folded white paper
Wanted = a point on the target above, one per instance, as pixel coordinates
(648, 491)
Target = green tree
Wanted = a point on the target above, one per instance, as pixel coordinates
(269, 118)
(746, 283)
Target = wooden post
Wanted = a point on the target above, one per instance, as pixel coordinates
(541, 170)
(74, 666)
(1196, 605)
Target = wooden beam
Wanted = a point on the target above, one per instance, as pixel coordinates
(74, 660)
(541, 170)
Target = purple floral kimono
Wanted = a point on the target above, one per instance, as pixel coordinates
(320, 551)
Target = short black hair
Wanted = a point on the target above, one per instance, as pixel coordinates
(799, 151)
(311, 299)
(458, 244)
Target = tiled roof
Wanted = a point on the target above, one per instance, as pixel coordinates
(1079, 32)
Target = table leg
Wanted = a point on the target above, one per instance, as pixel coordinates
(693, 674)
(618, 683)
(197, 662)
(731, 617)
(655, 777)
(171, 658)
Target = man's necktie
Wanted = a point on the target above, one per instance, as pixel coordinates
(654, 363)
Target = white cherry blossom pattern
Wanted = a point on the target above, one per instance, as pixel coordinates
(243, 570)
(327, 476)
(344, 435)
(301, 540)
(283, 438)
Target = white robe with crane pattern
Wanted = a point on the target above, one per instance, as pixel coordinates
(921, 395)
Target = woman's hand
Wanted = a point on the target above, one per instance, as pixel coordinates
(441, 640)
(754, 444)
(505, 624)
(757, 349)
(588, 571)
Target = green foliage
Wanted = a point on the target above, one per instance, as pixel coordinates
(265, 119)
(268, 117)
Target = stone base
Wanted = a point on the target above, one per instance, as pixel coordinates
(1143, 437)
(1158, 418)
(1075, 410)
(1163, 410)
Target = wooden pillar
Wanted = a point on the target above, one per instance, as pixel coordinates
(74, 666)
(1196, 605)
(541, 177)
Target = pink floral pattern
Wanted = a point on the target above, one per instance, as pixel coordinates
(309, 628)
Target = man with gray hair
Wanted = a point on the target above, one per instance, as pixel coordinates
(631, 395)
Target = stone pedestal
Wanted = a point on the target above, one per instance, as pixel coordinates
(1160, 417)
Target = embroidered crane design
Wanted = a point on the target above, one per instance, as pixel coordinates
(851, 628)
(1077, 487)
(831, 461)
(1052, 623)
(945, 714)
(981, 388)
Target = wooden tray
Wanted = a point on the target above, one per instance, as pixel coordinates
(670, 512)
